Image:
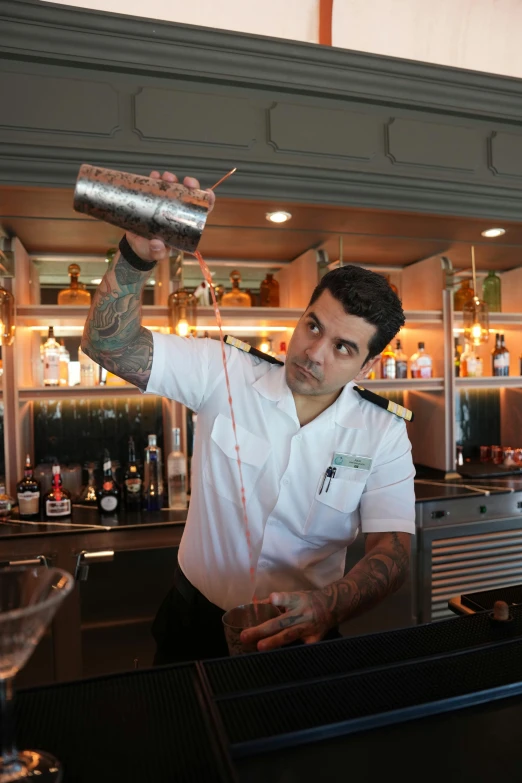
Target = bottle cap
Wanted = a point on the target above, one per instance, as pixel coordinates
(152, 440)
(421, 346)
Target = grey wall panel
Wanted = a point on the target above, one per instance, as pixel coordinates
(68, 105)
(505, 154)
(212, 119)
(336, 133)
(434, 145)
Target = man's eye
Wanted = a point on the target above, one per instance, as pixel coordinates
(313, 326)
(342, 348)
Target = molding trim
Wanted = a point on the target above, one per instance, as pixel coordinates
(37, 31)
(58, 167)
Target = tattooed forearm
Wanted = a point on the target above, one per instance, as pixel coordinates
(381, 572)
(113, 335)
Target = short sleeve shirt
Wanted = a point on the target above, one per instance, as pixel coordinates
(299, 526)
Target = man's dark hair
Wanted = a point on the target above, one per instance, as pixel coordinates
(366, 295)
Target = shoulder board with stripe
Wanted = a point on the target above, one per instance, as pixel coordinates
(249, 349)
(382, 402)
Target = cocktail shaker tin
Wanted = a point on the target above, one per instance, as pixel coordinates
(149, 207)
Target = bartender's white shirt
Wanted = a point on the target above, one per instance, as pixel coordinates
(298, 535)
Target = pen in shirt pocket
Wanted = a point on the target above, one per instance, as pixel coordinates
(328, 474)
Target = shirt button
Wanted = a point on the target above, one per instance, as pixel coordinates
(298, 437)
(262, 563)
(286, 481)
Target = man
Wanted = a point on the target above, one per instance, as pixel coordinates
(294, 425)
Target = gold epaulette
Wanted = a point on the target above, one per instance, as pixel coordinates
(249, 349)
(382, 402)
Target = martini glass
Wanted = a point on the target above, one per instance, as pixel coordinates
(29, 599)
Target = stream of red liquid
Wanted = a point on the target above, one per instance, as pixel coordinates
(208, 277)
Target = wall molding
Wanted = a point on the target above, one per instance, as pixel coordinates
(78, 37)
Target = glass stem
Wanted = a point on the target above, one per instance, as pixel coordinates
(7, 739)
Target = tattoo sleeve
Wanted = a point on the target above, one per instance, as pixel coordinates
(380, 572)
(113, 335)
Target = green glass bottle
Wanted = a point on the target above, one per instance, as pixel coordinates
(491, 292)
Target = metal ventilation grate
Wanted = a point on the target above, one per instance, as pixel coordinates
(311, 711)
(137, 727)
(308, 662)
(467, 564)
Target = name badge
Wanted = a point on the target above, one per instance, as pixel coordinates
(351, 461)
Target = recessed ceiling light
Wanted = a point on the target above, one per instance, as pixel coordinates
(493, 232)
(96, 281)
(278, 217)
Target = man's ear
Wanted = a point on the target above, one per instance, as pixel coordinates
(367, 366)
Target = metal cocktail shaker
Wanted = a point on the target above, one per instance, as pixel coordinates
(149, 207)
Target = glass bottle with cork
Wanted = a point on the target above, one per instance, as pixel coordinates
(28, 493)
(401, 362)
(269, 291)
(51, 360)
(388, 363)
(76, 293)
(109, 493)
(491, 292)
(236, 297)
(421, 363)
(57, 504)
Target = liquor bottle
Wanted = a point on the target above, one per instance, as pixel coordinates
(463, 295)
(388, 363)
(505, 356)
(153, 477)
(421, 364)
(64, 364)
(28, 493)
(76, 293)
(282, 352)
(88, 496)
(491, 292)
(109, 494)
(177, 473)
(496, 360)
(57, 500)
(51, 360)
(89, 370)
(269, 291)
(133, 482)
(457, 358)
(401, 362)
(236, 297)
(468, 362)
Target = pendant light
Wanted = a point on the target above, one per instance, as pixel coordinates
(182, 308)
(475, 313)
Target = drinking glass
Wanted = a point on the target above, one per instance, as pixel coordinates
(246, 616)
(29, 598)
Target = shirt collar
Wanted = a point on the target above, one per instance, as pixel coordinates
(345, 411)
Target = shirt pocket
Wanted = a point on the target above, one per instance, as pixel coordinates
(221, 469)
(332, 518)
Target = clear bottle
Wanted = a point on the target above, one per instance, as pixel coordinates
(463, 294)
(491, 292)
(470, 365)
(64, 364)
(133, 482)
(421, 363)
(76, 293)
(269, 291)
(236, 297)
(177, 473)
(401, 361)
(51, 360)
(88, 369)
(57, 500)
(28, 493)
(457, 357)
(388, 363)
(153, 477)
(89, 495)
(109, 494)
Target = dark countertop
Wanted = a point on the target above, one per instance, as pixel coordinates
(87, 519)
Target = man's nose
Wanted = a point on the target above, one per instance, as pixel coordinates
(316, 352)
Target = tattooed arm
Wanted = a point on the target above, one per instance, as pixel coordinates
(310, 614)
(113, 335)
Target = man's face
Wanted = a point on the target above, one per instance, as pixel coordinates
(328, 348)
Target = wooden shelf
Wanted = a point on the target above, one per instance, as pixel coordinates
(155, 315)
(488, 382)
(76, 392)
(405, 384)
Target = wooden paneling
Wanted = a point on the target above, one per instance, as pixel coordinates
(433, 145)
(194, 117)
(506, 154)
(43, 103)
